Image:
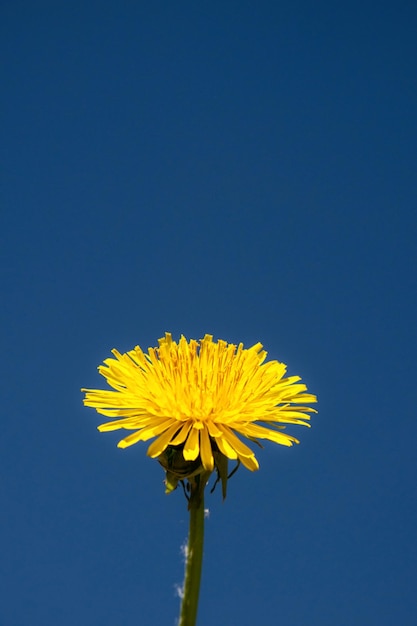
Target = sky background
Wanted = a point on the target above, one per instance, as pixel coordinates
(235, 168)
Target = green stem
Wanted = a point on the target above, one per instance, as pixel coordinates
(194, 561)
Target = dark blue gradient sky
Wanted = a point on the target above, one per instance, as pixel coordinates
(235, 168)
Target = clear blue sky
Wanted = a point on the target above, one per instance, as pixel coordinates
(235, 168)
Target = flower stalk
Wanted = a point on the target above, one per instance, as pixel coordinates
(194, 556)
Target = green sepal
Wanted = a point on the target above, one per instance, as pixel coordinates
(221, 463)
(171, 482)
(177, 468)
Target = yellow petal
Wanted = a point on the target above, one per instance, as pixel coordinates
(206, 450)
(158, 446)
(191, 447)
(182, 434)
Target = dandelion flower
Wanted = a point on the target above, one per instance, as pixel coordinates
(200, 397)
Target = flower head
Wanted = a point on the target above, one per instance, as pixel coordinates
(196, 397)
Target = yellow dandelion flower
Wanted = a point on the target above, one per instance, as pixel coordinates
(199, 396)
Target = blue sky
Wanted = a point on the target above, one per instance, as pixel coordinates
(240, 169)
